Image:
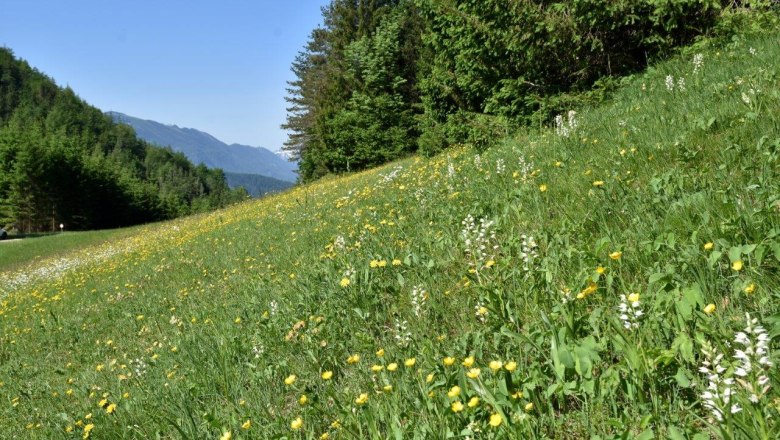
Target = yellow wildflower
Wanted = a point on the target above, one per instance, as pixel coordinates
(87, 430)
(429, 378)
(290, 379)
(296, 424)
(246, 425)
(448, 361)
(227, 435)
(454, 391)
(303, 399)
(473, 373)
(380, 352)
(474, 401)
(396, 262)
(542, 188)
(495, 365)
(392, 366)
(750, 288)
(344, 282)
(510, 366)
(355, 358)
(634, 297)
(327, 375)
(496, 419)
(457, 406)
(708, 246)
(468, 362)
(111, 408)
(362, 399)
(598, 183)
(377, 368)
(737, 265)
(529, 406)
(616, 255)
(410, 362)
(709, 309)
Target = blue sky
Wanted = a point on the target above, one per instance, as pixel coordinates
(219, 66)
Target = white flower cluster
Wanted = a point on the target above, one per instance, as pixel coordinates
(630, 310)
(568, 127)
(670, 85)
(339, 243)
(139, 367)
(500, 166)
(753, 359)
(752, 364)
(525, 168)
(389, 177)
(528, 251)
(481, 312)
(478, 161)
(481, 243)
(402, 335)
(718, 393)
(273, 307)
(698, 63)
(419, 296)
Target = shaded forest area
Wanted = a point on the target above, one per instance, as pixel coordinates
(64, 161)
(385, 78)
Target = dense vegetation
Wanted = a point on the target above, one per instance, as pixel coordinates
(63, 161)
(614, 277)
(383, 78)
(255, 184)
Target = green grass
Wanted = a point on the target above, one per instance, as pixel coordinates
(16, 253)
(193, 328)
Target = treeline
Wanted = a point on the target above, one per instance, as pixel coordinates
(383, 78)
(64, 161)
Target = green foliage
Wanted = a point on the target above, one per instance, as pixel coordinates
(528, 262)
(383, 79)
(63, 161)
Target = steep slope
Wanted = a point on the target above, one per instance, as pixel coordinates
(598, 278)
(201, 147)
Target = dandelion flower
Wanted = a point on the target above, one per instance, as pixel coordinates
(448, 361)
(227, 435)
(542, 188)
(454, 391)
(387, 388)
(429, 378)
(600, 270)
(246, 425)
(598, 183)
(709, 309)
(344, 282)
(296, 424)
(708, 246)
(616, 255)
(750, 288)
(380, 352)
(474, 401)
(353, 359)
(495, 365)
(392, 366)
(327, 375)
(510, 366)
(496, 419)
(290, 379)
(468, 362)
(303, 399)
(377, 368)
(737, 265)
(529, 406)
(111, 408)
(396, 262)
(473, 373)
(362, 399)
(457, 406)
(410, 362)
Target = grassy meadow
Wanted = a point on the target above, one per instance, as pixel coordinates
(615, 276)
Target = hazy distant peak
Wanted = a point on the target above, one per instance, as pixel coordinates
(202, 147)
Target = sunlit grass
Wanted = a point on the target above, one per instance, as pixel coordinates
(553, 287)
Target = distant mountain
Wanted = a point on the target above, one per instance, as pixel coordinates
(256, 185)
(201, 147)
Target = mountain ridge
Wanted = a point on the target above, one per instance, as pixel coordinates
(203, 147)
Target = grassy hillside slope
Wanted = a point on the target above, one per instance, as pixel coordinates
(467, 296)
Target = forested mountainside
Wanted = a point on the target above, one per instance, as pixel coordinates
(64, 161)
(202, 147)
(384, 78)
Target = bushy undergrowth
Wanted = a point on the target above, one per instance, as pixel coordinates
(614, 276)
